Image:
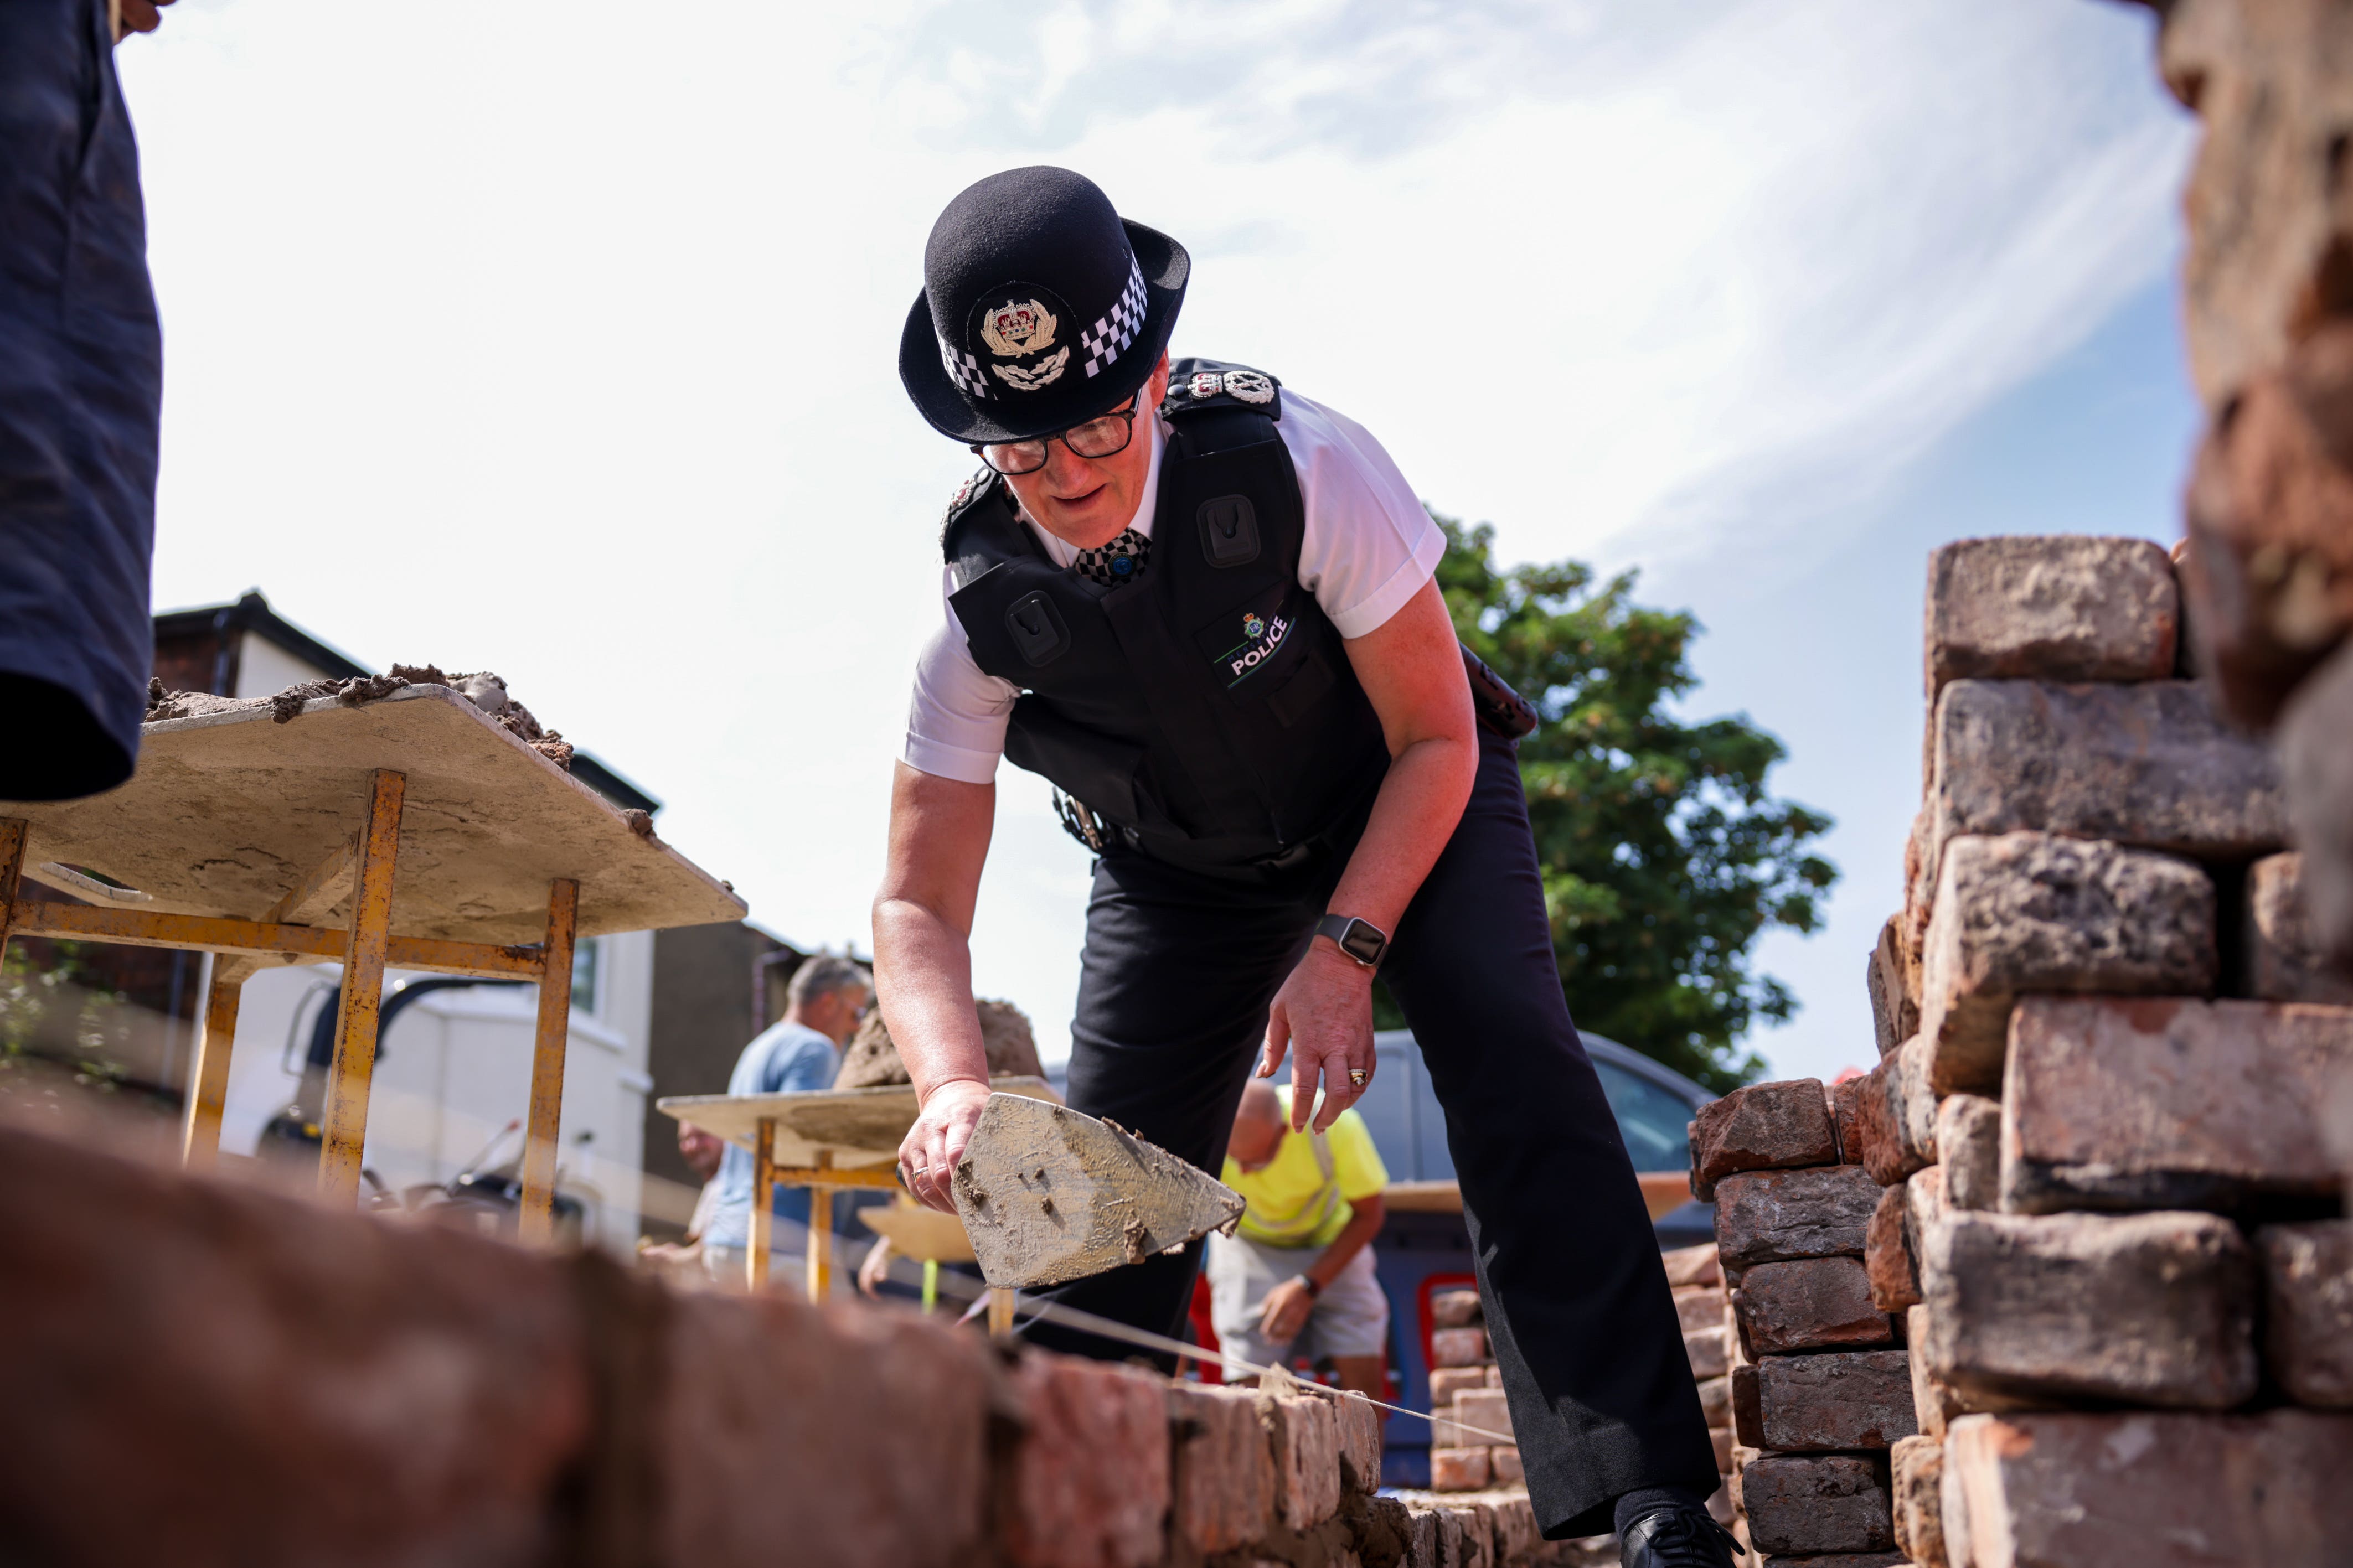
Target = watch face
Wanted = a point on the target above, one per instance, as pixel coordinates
(1362, 943)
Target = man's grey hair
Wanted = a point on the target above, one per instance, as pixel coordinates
(823, 974)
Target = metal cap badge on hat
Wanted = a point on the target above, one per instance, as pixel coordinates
(1041, 308)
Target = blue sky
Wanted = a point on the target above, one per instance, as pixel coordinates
(566, 348)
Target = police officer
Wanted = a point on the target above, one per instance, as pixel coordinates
(1202, 606)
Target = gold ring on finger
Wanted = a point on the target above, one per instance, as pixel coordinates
(1358, 1076)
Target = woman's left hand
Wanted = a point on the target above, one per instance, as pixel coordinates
(1324, 1013)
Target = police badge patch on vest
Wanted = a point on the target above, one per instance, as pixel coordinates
(1247, 640)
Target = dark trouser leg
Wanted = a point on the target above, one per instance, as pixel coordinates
(1178, 974)
(80, 387)
(1578, 1311)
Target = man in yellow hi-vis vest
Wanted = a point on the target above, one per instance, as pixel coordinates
(1296, 1276)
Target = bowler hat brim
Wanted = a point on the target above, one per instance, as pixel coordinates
(1166, 267)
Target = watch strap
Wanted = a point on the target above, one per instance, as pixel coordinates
(1361, 939)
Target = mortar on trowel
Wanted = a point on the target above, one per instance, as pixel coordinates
(1050, 1194)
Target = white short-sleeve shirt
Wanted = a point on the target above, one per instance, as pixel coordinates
(1369, 547)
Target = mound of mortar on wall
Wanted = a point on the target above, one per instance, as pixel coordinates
(871, 1061)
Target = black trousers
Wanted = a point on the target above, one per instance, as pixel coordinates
(1180, 969)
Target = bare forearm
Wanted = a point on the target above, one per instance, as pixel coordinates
(1362, 1227)
(922, 972)
(1421, 802)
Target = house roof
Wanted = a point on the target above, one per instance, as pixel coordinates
(252, 612)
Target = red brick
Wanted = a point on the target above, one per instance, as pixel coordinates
(1888, 1111)
(1839, 1399)
(1766, 1126)
(1504, 1467)
(1815, 1304)
(1358, 1425)
(2281, 956)
(1458, 1469)
(1513, 1521)
(1916, 1467)
(1766, 1217)
(2154, 1309)
(1837, 1560)
(1846, 1114)
(1969, 1148)
(2164, 1103)
(2051, 607)
(1893, 1271)
(1834, 1502)
(2308, 1310)
(1486, 1410)
(204, 1374)
(2148, 765)
(1721, 1437)
(1306, 1457)
(1088, 1486)
(1494, 1375)
(1699, 1307)
(1222, 1495)
(1455, 1310)
(1458, 1347)
(2315, 747)
(2148, 1489)
(1894, 982)
(1706, 1351)
(1694, 1266)
(1742, 1405)
(1446, 1381)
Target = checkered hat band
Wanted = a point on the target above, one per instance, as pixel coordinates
(1114, 333)
(964, 370)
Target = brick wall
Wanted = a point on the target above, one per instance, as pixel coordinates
(200, 1372)
(2095, 1197)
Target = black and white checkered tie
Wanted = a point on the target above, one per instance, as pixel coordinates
(1121, 561)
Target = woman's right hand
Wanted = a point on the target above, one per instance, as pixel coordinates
(928, 1155)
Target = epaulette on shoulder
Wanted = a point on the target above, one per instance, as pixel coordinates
(982, 486)
(1198, 383)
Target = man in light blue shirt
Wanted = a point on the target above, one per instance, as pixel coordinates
(801, 1052)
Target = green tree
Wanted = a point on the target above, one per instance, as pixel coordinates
(1663, 856)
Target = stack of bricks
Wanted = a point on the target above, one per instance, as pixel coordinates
(2110, 1213)
(1697, 1275)
(193, 1371)
(1819, 1385)
(1466, 1396)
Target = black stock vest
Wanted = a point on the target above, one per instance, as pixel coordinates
(1207, 710)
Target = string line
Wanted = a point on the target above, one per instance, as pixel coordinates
(1144, 1339)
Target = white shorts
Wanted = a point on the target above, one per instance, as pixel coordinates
(1351, 1316)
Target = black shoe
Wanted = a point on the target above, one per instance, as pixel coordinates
(1677, 1538)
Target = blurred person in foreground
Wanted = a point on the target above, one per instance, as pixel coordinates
(81, 392)
(1296, 1279)
(797, 1054)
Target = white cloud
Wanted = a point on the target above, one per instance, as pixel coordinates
(565, 346)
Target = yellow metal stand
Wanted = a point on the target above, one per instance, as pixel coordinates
(344, 1129)
(820, 1233)
(537, 1222)
(208, 1083)
(763, 1200)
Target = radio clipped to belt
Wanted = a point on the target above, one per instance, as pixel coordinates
(1080, 823)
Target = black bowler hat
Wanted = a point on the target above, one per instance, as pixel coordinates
(1041, 308)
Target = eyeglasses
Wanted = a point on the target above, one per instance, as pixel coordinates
(1099, 438)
